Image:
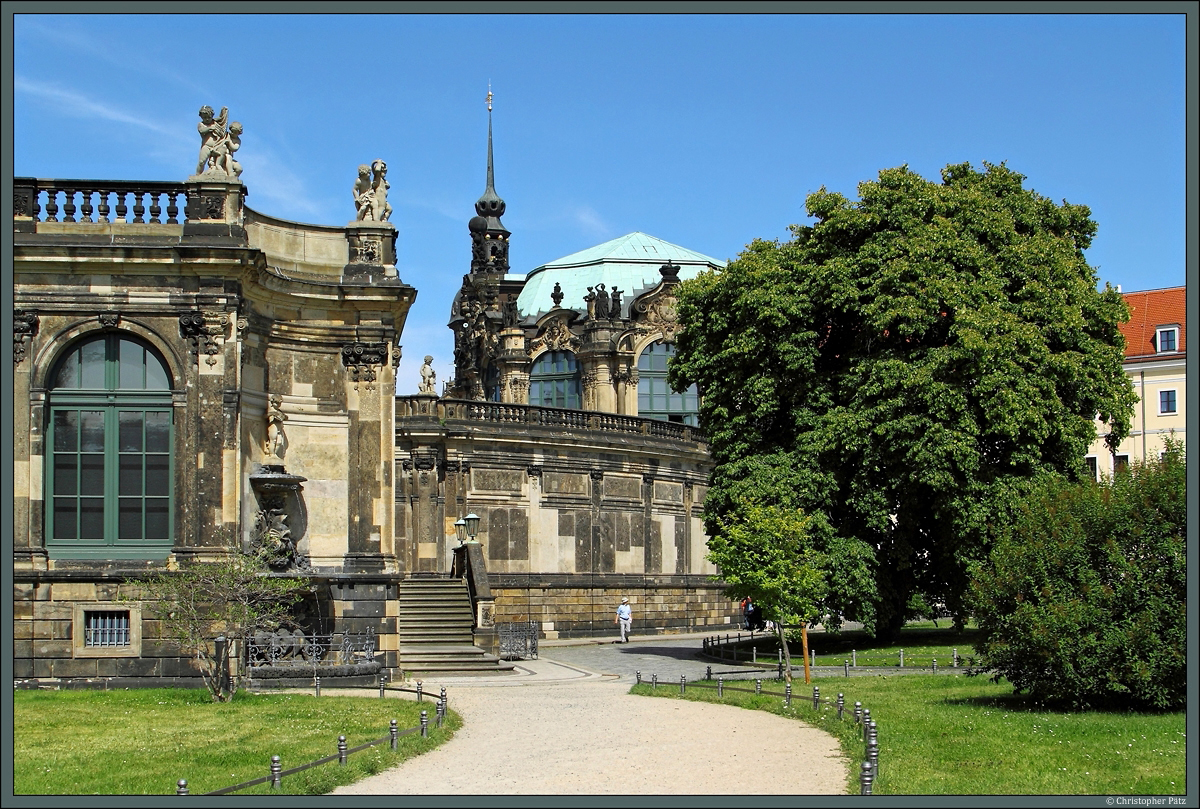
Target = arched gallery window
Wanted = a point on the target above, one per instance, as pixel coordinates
(656, 400)
(109, 474)
(554, 380)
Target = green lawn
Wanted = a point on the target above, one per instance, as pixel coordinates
(143, 741)
(950, 734)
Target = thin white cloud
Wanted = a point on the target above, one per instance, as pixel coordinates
(273, 181)
(69, 102)
(590, 222)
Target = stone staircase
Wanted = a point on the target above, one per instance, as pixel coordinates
(434, 626)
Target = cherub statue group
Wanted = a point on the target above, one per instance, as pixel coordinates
(218, 143)
(370, 193)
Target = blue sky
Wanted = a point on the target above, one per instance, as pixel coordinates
(706, 131)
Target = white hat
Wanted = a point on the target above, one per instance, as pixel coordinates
(624, 600)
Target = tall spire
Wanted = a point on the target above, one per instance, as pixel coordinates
(489, 238)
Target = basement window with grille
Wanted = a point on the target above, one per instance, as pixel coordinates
(107, 632)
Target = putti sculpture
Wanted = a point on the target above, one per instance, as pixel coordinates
(218, 142)
(370, 193)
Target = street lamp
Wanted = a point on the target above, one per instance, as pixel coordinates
(472, 525)
(460, 529)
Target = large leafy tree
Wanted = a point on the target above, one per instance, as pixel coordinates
(905, 367)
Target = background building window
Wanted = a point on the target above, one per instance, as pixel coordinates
(107, 628)
(109, 471)
(554, 380)
(1120, 463)
(1168, 339)
(100, 631)
(1166, 401)
(656, 400)
(1092, 467)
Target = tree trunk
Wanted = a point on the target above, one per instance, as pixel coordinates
(787, 655)
(804, 648)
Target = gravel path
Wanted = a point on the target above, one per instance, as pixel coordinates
(560, 729)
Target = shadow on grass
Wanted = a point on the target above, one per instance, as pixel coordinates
(1024, 703)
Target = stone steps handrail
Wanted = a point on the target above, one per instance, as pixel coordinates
(43, 200)
(538, 415)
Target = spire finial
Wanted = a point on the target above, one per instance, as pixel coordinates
(489, 95)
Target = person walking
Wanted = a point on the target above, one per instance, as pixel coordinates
(624, 619)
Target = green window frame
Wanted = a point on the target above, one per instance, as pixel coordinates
(110, 442)
(554, 381)
(656, 400)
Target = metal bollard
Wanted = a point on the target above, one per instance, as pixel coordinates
(382, 682)
(682, 683)
(865, 779)
(812, 654)
(708, 673)
(420, 694)
(181, 787)
(639, 676)
(816, 698)
(857, 712)
(955, 659)
(440, 713)
(394, 733)
(901, 658)
(654, 681)
(444, 700)
(841, 706)
(753, 654)
(935, 665)
(866, 723)
(425, 724)
(758, 686)
(873, 752)
(846, 666)
(342, 750)
(317, 682)
(720, 686)
(787, 695)
(276, 770)
(854, 658)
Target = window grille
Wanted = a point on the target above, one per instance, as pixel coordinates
(106, 629)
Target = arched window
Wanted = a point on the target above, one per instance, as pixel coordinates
(554, 380)
(656, 400)
(109, 474)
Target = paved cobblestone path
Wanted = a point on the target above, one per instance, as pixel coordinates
(566, 725)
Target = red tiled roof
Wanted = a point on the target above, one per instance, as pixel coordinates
(1149, 310)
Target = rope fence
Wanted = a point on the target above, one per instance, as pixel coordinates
(276, 774)
(868, 770)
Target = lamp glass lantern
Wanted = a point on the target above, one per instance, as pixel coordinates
(460, 529)
(472, 525)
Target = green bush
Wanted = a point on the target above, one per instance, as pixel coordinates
(1084, 599)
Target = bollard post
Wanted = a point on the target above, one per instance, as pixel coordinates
(639, 676)
(841, 706)
(873, 753)
(854, 658)
(846, 666)
(382, 681)
(812, 654)
(720, 686)
(857, 712)
(935, 665)
(682, 683)
(816, 698)
(394, 732)
(787, 695)
(901, 658)
(276, 770)
(708, 673)
(181, 787)
(955, 659)
(758, 686)
(425, 724)
(865, 778)
(753, 654)
(866, 722)
(440, 713)
(444, 700)
(317, 681)
(342, 750)
(654, 681)
(420, 695)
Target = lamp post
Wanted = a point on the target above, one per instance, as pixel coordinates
(472, 526)
(460, 529)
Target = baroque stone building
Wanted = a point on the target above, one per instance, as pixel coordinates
(194, 378)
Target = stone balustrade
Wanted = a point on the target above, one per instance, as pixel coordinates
(537, 415)
(98, 201)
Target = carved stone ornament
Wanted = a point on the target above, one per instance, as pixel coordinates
(367, 251)
(428, 377)
(534, 470)
(596, 474)
(25, 326)
(218, 142)
(211, 206)
(22, 203)
(556, 337)
(207, 331)
(109, 320)
(660, 314)
(425, 463)
(275, 417)
(362, 359)
(557, 295)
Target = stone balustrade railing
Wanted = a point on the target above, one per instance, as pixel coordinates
(99, 201)
(536, 415)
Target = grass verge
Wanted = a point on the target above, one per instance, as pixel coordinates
(949, 734)
(141, 742)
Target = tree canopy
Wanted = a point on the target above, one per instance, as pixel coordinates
(904, 368)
